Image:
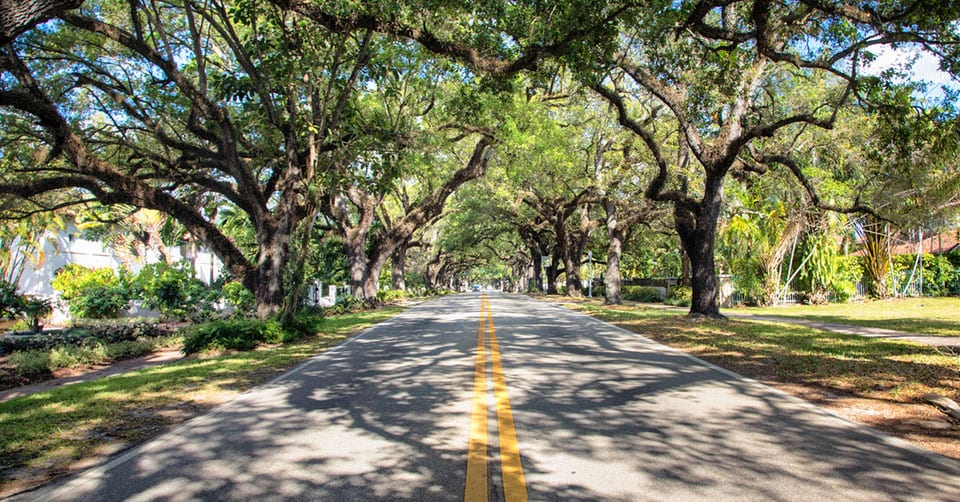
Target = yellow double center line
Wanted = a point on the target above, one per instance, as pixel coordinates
(514, 487)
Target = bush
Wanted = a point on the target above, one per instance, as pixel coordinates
(45, 361)
(598, 290)
(308, 322)
(645, 294)
(31, 362)
(237, 295)
(11, 304)
(100, 302)
(848, 273)
(173, 291)
(107, 332)
(348, 305)
(233, 334)
(129, 349)
(91, 293)
(392, 295)
(72, 279)
(680, 296)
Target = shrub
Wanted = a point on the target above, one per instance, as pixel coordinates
(100, 302)
(645, 294)
(598, 290)
(308, 321)
(848, 273)
(31, 362)
(680, 296)
(233, 334)
(347, 305)
(391, 295)
(105, 331)
(91, 293)
(44, 361)
(36, 309)
(237, 295)
(73, 279)
(173, 291)
(11, 304)
(129, 349)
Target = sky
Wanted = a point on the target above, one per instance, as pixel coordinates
(924, 67)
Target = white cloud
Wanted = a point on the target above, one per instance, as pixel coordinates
(920, 65)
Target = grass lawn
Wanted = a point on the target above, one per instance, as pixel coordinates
(930, 316)
(48, 433)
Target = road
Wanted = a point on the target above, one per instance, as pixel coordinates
(597, 414)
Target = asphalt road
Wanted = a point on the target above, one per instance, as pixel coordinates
(600, 414)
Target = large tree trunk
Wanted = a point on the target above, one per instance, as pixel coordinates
(398, 263)
(696, 224)
(355, 247)
(578, 242)
(611, 280)
(553, 273)
(571, 265)
(268, 286)
(536, 278)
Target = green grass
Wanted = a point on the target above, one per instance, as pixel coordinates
(866, 367)
(43, 433)
(929, 316)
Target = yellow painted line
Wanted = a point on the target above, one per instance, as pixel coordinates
(511, 467)
(514, 486)
(476, 488)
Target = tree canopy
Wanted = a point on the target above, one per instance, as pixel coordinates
(253, 125)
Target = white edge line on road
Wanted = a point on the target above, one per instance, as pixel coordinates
(884, 437)
(94, 474)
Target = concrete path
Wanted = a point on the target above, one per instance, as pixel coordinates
(600, 414)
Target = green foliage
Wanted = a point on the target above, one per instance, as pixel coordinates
(307, 322)
(680, 296)
(646, 294)
(72, 279)
(11, 304)
(36, 309)
(90, 352)
(392, 295)
(31, 362)
(92, 293)
(939, 274)
(827, 274)
(233, 334)
(100, 302)
(348, 305)
(847, 274)
(237, 295)
(598, 290)
(228, 334)
(173, 290)
(106, 331)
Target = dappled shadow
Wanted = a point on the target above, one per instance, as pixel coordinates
(601, 414)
